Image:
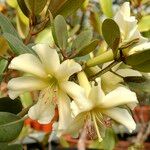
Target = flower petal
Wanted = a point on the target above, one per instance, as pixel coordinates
(14, 94)
(96, 95)
(26, 83)
(64, 111)
(121, 116)
(42, 112)
(28, 63)
(128, 72)
(119, 96)
(67, 68)
(78, 94)
(48, 56)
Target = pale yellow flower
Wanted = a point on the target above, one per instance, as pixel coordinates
(101, 105)
(45, 73)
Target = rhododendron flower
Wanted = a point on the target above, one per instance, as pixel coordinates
(100, 106)
(129, 30)
(127, 24)
(45, 73)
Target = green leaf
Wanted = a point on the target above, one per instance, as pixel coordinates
(6, 26)
(23, 7)
(89, 48)
(144, 24)
(140, 61)
(16, 45)
(3, 46)
(6, 146)
(9, 105)
(108, 142)
(82, 40)
(26, 99)
(138, 58)
(60, 31)
(3, 65)
(35, 6)
(64, 7)
(111, 34)
(10, 126)
(12, 3)
(22, 28)
(144, 86)
(96, 21)
(106, 6)
(143, 67)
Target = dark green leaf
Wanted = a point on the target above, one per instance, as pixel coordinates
(6, 146)
(89, 48)
(35, 6)
(111, 34)
(140, 61)
(82, 40)
(65, 7)
(9, 105)
(6, 26)
(144, 24)
(10, 126)
(3, 65)
(142, 87)
(60, 31)
(16, 45)
(143, 67)
(23, 7)
(108, 142)
(138, 58)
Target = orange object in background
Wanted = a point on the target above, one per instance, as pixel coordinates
(42, 127)
(39, 127)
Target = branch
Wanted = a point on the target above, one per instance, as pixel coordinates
(108, 68)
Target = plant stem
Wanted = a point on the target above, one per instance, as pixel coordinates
(25, 110)
(108, 68)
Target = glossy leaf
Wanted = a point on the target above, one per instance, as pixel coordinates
(7, 146)
(96, 21)
(144, 24)
(12, 3)
(6, 26)
(23, 7)
(3, 65)
(111, 33)
(140, 61)
(35, 6)
(22, 28)
(9, 105)
(64, 7)
(82, 40)
(16, 45)
(138, 58)
(108, 142)
(26, 99)
(3, 46)
(10, 126)
(143, 67)
(60, 32)
(106, 6)
(89, 48)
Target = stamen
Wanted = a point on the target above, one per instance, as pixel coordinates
(96, 127)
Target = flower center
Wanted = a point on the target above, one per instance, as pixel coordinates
(53, 83)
